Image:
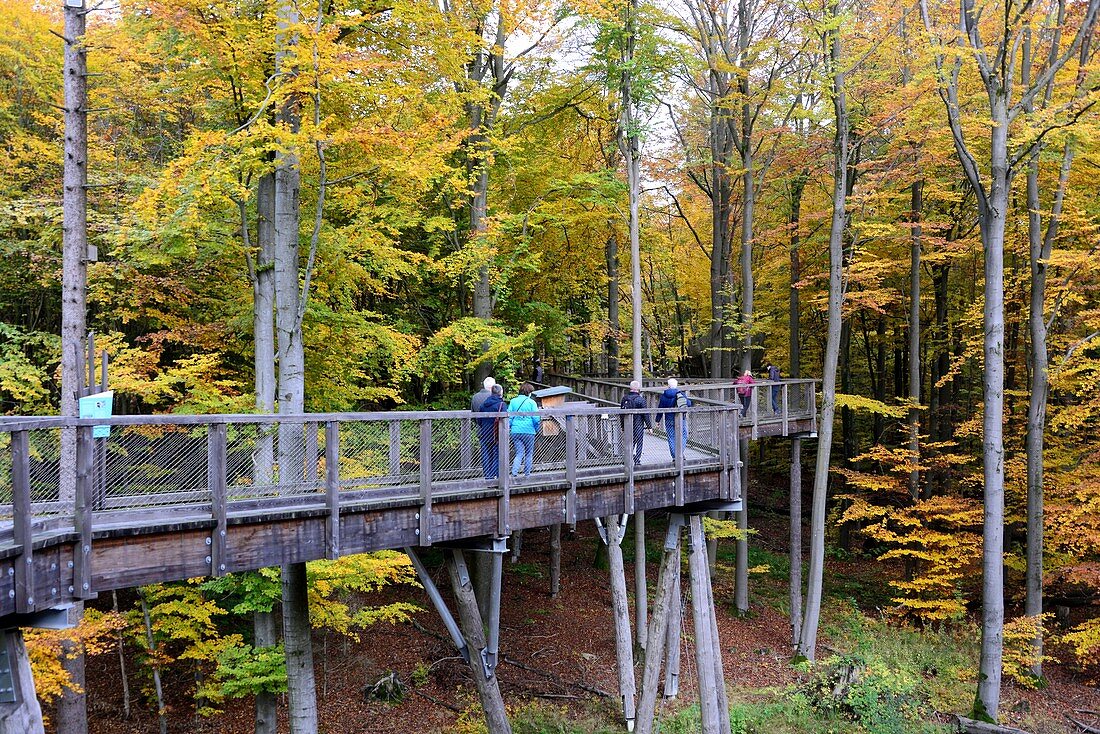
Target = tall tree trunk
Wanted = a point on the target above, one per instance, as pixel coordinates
(992, 217)
(611, 253)
(795, 356)
(297, 632)
(915, 207)
(1040, 250)
(807, 645)
(72, 713)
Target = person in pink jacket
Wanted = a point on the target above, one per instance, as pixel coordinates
(745, 393)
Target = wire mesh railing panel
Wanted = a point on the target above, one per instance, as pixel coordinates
(598, 441)
(453, 450)
(703, 430)
(550, 446)
(45, 471)
(6, 481)
(297, 454)
(251, 468)
(151, 466)
(379, 453)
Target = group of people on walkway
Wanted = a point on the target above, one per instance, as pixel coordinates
(672, 397)
(523, 428)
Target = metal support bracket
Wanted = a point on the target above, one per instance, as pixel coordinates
(440, 605)
(602, 530)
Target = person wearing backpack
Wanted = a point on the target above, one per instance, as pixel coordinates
(634, 400)
(674, 397)
(493, 406)
(523, 428)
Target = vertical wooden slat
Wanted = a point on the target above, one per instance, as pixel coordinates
(395, 448)
(312, 452)
(216, 444)
(811, 399)
(82, 516)
(332, 489)
(465, 441)
(722, 440)
(678, 428)
(425, 481)
(786, 411)
(23, 522)
(755, 402)
(504, 504)
(628, 467)
(571, 469)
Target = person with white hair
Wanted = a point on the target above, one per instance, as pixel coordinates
(634, 400)
(482, 395)
(674, 398)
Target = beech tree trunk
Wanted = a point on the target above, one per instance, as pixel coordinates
(795, 356)
(72, 713)
(916, 204)
(611, 253)
(807, 645)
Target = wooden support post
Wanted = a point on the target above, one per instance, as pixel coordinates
(704, 665)
(741, 573)
(20, 712)
(719, 668)
(667, 577)
(675, 621)
(23, 521)
(395, 448)
(82, 517)
(465, 442)
(517, 546)
(620, 609)
(216, 450)
(571, 470)
(312, 452)
(678, 428)
(424, 531)
(555, 559)
(641, 592)
(332, 489)
(504, 476)
(470, 620)
(786, 410)
(755, 407)
(628, 469)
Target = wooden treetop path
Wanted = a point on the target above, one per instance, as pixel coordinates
(170, 497)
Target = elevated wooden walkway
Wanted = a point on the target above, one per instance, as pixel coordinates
(165, 498)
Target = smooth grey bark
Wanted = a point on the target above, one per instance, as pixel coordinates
(297, 631)
(611, 254)
(741, 567)
(1040, 247)
(266, 635)
(807, 645)
(298, 643)
(915, 207)
(993, 191)
(795, 357)
(641, 592)
(555, 559)
(24, 716)
(668, 578)
(157, 687)
(72, 712)
(470, 621)
(620, 610)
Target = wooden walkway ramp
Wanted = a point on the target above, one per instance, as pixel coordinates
(147, 499)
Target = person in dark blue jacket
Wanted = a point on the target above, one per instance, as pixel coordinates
(674, 397)
(487, 431)
(634, 400)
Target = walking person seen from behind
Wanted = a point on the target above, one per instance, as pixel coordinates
(494, 407)
(524, 428)
(774, 375)
(634, 400)
(674, 397)
(745, 391)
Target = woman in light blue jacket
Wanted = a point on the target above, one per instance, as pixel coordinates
(523, 429)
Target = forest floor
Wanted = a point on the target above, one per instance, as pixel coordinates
(558, 673)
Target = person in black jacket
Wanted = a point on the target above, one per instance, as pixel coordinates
(634, 400)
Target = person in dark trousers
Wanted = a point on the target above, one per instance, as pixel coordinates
(774, 375)
(537, 374)
(745, 391)
(674, 397)
(634, 400)
(487, 431)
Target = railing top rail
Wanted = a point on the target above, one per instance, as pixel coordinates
(17, 424)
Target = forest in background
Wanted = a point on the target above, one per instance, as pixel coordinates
(476, 213)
